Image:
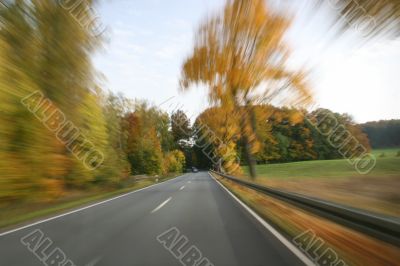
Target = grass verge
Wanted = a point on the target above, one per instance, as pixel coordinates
(387, 165)
(352, 247)
(338, 181)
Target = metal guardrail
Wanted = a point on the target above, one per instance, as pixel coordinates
(383, 228)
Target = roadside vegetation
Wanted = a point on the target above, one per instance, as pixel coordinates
(19, 213)
(337, 181)
(387, 165)
(45, 51)
(282, 135)
(352, 247)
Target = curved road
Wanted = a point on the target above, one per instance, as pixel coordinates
(189, 220)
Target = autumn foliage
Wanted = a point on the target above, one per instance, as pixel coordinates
(240, 55)
(44, 49)
(283, 135)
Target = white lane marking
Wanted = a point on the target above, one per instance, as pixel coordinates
(83, 208)
(182, 187)
(94, 261)
(189, 182)
(161, 205)
(280, 237)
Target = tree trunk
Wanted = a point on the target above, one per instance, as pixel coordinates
(246, 143)
(249, 158)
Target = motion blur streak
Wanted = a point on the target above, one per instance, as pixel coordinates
(44, 49)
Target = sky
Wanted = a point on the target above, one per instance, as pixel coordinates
(147, 41)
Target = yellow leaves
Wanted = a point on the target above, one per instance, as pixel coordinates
(248, 130)
(296, 117)
(240, 48)
(228, 153)
(43, 49)
(305, 96)
(173, 162)
(222, 132)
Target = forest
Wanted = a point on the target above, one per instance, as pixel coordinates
(383, 133)
(281, 135)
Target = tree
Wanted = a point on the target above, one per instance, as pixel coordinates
(65, 74)
(180, 126)
(39, 54)
(285, 135)
(240, 55)
(337, 135)
(174, 162)
(383, 133)
(216, 135)
(145, 128)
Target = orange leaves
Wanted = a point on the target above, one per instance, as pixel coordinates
(296, 117)
(238, 51)
(240, 55)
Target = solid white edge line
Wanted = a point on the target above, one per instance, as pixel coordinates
(280, 237)
(161, 205)
(81, 209)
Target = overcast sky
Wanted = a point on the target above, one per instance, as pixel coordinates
(149, 39)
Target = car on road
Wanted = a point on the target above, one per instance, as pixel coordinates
(194, 170)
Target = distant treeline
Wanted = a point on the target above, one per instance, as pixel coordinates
(383, 133)
(282, 135)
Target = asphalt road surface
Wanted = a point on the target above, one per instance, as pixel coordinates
(189, 220)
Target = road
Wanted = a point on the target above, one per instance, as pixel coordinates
(141, 228)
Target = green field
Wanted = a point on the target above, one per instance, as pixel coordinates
(389, 165)
(338, 181)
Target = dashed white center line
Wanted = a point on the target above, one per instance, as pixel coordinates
(182, 187)
(161, 205)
